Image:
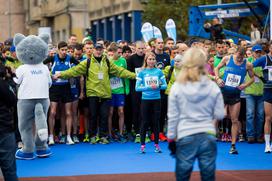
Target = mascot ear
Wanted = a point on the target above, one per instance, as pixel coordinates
(44, 37)
(18, 38)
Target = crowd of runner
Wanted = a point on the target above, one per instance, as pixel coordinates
(107, 92)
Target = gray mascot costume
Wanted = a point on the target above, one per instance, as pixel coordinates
(34, 81)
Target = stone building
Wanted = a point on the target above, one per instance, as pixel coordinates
(109, 19)
(12, 18)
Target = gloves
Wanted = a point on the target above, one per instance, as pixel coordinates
(172, 147)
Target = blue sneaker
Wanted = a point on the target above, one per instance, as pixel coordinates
(24, 156)
(44, 153)
(121, 138)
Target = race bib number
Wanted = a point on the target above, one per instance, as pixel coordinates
(116, 83)
(270, 74)
(233, 80)
(138, 70)
(60, 80)
(151, 80)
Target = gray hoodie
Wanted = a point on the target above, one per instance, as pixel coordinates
(193, 107)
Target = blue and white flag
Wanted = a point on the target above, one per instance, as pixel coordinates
(157, 32)
(170, 28)
(147, 31)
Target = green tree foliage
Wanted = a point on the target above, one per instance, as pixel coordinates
(158, 11)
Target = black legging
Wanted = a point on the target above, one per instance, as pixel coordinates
(163, 118)
(136, 110)
(151, 110)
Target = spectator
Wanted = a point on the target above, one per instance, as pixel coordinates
(7, 136)
(215, 29)
(255, 34)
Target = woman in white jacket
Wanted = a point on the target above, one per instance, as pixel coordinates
(194, 103)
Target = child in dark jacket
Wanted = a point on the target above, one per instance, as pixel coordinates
(7, 136)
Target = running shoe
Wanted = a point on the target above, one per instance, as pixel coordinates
(24, 156)
(69, 140)
(224, 137)
(142, 149)
(104, 140)
(241, 138)
(75, 139)
(162, 137)
(86, 138)
(233, 150)
(157, 148)
(94, 140)
(147, 139)
(62, 139)
(121, 138)
(137, 138)
(267, 149)
(56, 139)
(228, 138)
(43, 153)
(51, 140)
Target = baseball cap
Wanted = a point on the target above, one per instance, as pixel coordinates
(257, 48)
(98, 45)
(12, 48)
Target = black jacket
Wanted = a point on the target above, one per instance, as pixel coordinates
(216, 32)
(7, 103)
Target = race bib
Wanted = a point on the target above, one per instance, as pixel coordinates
(270, 74)
(60, 80)
(138, 70)
(151, 80)
(233, 80)
(116, 83)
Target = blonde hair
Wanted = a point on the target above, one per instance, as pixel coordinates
(148, 54)
(193, 65)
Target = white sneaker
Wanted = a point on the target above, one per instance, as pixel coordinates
(51, 140)
(69, 140)
(267, 149)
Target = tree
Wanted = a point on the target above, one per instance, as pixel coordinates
(158, 11)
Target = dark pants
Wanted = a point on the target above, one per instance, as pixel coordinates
(164, 102)
(136, 110)
(128, 113)
(151, 110)
(7, 156)
(99, 112)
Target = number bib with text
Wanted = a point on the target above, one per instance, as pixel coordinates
(151, 80)
(233, 80)
(116, 83)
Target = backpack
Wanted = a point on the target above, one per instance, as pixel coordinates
(89, 63)
(169, 74)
